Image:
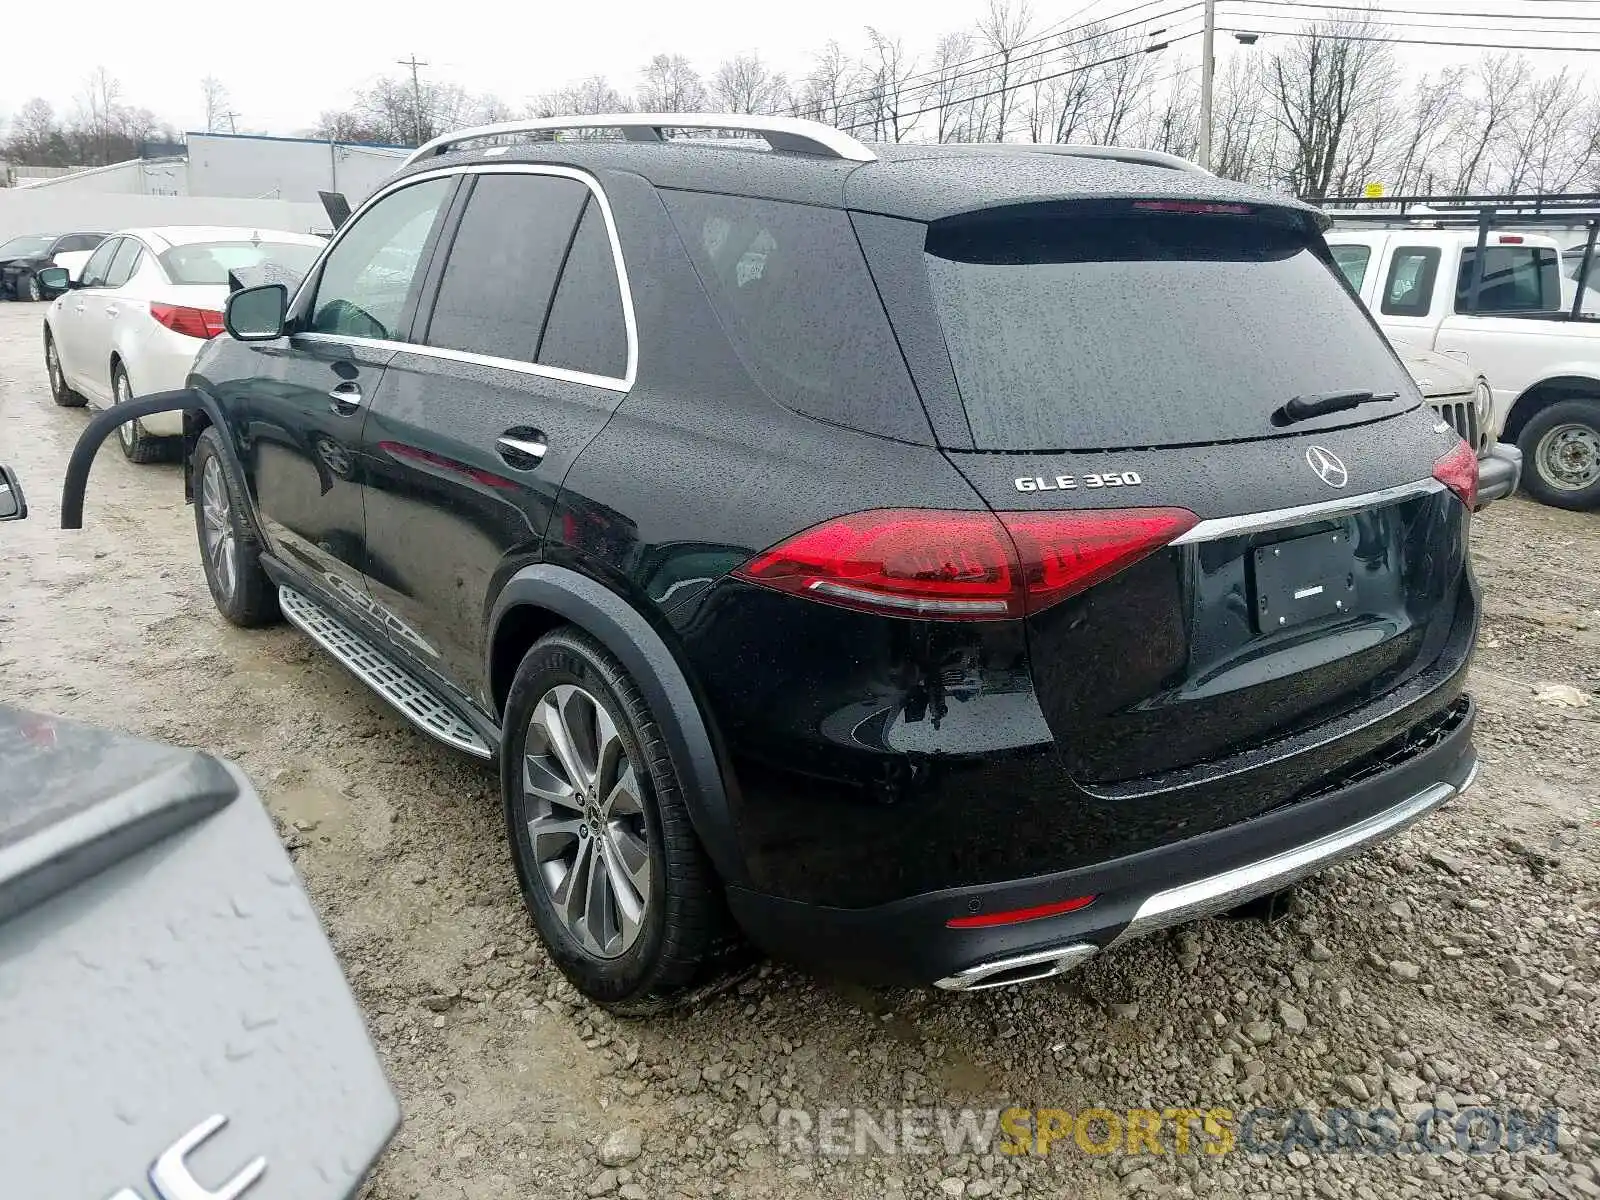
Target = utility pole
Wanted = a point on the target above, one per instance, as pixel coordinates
(230, 118)
(416, 94)
(1207, 53)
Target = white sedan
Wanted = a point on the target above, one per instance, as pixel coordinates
(139, 312)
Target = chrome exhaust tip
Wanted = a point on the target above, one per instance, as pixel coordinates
(1019, 968)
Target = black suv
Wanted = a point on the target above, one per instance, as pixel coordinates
(935, 563)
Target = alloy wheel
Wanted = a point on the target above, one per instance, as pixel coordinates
(52, 364)
(1569, 457)
(216, 509)
(128, 431)
(586, 820)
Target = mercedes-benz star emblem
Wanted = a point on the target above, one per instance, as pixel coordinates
(1327, 465)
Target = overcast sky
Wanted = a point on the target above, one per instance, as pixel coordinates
(286, 66)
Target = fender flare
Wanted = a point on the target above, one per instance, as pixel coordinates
(76, 482)
(623, 631)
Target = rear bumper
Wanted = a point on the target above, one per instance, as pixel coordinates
(1499, 472)
(908, 941)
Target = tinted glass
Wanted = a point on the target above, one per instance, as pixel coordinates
(1352, 262)
(94, 271)
(122, 266)
(793, 293)
(368, 275)
(585, 331)
(503, 264)
(1515, 279)
(210, 262)
(1408, 292)
(1071, 331)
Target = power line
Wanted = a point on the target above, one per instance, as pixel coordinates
(1372, 20)
(1418, 12)
(1037, 79)
(1353, 37)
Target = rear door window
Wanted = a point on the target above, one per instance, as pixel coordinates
(1099, 329)
(1353, 262)
(505, 258)
(1515, 279)
(585, 330)
(1408, 291)
(793, 293)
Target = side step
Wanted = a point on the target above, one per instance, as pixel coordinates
(417, 702)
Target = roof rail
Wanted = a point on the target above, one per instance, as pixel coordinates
(780, 133)
(1125, 154)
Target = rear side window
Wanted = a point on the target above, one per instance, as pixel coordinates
(1408, 292)
(585, 330)
(503, 265)
(1515, 279)
(1353, 262)
(94, 271)
(121, 269)
(792, 291)
(1106, 329)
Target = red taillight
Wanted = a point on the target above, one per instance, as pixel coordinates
(1458, 471)
(1017, 915)
(191, 322)
(1510, 239)
(956, 566)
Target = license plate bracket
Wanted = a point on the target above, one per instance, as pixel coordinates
(1302, 579)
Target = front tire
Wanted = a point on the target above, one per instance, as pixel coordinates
(32, 288)
(1561, 453)
(138, 445)
(613, 875)
(229, 550)
(64, 396)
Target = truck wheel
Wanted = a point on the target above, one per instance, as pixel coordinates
(229, 551)
(616, 881)
(1561, 454)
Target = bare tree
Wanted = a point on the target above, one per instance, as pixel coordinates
(827, 93)
(1501, 80)
(1244, 134)
(744, 84)
(391, 112)
(215, 97)
(948, 89)
(887, 72)
(671, 85)
(1172, 120)
(1335, 74)
(1432, 111)
(1121, 73)
(1003, 29)
(1544, 146)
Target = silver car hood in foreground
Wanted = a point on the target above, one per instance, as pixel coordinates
(173, 1023)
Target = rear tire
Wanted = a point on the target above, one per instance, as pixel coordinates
(137, 445)
(1561, 453)
(640, 920)
(229, 551)
(64, 396)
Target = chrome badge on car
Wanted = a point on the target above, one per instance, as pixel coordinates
(1328, 466)
(1070, 483)
(170, 1175)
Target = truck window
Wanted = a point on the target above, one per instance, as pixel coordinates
(1353, 262)
(1408, 292)
(1515, 279)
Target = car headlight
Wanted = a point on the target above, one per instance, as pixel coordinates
(1483, 401)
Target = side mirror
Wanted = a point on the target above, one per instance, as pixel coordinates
(12, 506)
(54, 279)
(257, 314)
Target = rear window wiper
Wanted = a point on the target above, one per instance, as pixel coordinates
(1317, 404)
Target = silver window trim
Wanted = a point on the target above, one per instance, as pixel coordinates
(608, 382)
(1278, 518)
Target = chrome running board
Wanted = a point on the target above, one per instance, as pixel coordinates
(1215, 893)
(415, 700)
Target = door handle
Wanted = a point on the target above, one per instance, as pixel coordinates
(523, 449)
(345, 398)
(112, 311)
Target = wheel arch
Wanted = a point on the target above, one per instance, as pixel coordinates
(543, 596)
(1543, 394)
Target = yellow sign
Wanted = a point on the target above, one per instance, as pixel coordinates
(1373, 190)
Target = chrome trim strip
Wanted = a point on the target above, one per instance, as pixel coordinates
(1218, 893)
(1278, 518)
(781, 133)
(1057, 960)
(629, 320)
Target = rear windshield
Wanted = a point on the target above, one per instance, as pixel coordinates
(210, 262)
(1071, 331)
(21, 247)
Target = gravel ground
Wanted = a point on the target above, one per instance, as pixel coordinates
(1455, 966)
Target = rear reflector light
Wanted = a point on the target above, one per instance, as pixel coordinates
(1190, 206)
(1017, 915)
(974, 566)
(1458, 471)
(191, 322)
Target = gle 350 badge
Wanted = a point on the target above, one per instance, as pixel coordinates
(1069, 483)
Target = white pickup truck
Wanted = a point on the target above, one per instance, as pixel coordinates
(1542, 364)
